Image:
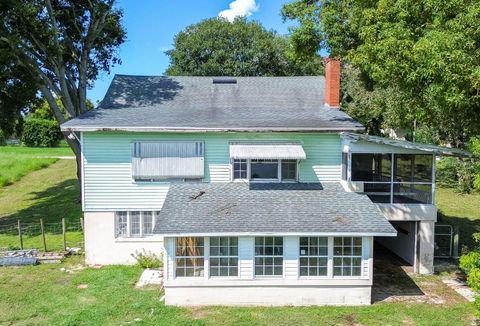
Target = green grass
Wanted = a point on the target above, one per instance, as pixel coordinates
(51, 193)
(45, 295)
(18, 161)
(462, 210)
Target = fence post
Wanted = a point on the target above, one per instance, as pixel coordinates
(81, 224)
(42, 228)
(20, 238)
(64, 233)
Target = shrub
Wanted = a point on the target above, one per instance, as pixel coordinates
(148, 259)
(41, 133)
(446, 172)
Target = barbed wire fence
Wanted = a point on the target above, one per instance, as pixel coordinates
(43, 236)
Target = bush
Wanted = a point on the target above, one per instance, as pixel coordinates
(148, 259)
(41, 133)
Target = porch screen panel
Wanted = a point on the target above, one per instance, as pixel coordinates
(168, 160)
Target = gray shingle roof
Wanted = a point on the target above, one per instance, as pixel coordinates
(151, 103)
(295, 208)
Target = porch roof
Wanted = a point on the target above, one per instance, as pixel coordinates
(439, 150)
(268, 208)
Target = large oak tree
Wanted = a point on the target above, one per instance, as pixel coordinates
(60, 47)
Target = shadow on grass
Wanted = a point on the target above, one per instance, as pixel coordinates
(389, 276)
(52, 204)
(466, 227)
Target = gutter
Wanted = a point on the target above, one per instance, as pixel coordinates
(193, 129)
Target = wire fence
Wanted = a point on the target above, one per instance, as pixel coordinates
(43, 236)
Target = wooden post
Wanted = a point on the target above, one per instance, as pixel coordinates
(64, 233)
(456, 241)
(42, 229)
(81, 224)
(20, 238)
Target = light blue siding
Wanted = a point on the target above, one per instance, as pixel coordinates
(108, 184)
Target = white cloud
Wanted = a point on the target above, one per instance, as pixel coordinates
(243, 8)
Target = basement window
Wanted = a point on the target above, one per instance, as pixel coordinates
(135, 224)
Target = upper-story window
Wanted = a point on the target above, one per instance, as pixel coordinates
(270, 161)
(394, 178)
(168, 160)
(265, 170)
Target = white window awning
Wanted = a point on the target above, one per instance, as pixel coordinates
(270, 151)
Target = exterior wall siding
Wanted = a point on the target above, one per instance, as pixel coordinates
(108, 175)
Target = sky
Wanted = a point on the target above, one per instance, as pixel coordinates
(151, 26)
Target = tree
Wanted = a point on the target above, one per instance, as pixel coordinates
(425, 53)
(216, 47)
(62, 45)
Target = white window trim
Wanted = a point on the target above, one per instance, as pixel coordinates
(237, 256)
(277, 180)
(275, 277)
(205, 260)
(349, 256)
(129, 236)
(328, 256)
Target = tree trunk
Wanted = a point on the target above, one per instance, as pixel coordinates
(76, 148)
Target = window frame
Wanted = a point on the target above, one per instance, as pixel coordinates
(228, 256)
(392, 183)
(128, 222)
(317, 256)
(204, 257)
(248, 178)
(351, 256)
(273, 256)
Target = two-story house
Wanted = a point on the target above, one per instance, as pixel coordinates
(257, 190)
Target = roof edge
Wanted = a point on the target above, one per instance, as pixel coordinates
(440, 150)
(192, 129)
(324, 234)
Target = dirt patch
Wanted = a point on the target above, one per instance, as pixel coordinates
(199, 313)
(351, 319)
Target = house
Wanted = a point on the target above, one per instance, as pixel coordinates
(258, 190)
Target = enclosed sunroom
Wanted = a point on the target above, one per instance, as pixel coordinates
(268, 244)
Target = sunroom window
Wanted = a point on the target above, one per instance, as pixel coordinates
(347, 256)
(313, 256)
(189, 257)
(268, 256)
(264, 169)
(223, 256)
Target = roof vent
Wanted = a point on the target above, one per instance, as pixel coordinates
(224, 81)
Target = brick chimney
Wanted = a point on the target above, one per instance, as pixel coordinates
(332, 82)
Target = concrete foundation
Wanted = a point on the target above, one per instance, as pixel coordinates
(268, 296)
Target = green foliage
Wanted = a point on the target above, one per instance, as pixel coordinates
(41, 133)
(216, 47)
(446, 172)
(421, 54)
(42, 110)
(470, 264)
(148, 259)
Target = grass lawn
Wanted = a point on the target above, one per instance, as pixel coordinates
(45, 295)
(17, 161)
(50, 193)
(461, 210)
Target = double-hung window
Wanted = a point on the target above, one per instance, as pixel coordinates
(189, 257)
(347, 256)
(268, 256)
(134, 224)
(223, 256)
(313, 256)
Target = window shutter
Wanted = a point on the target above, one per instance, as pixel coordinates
(168, 160)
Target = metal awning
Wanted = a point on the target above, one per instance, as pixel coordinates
(438, 150)
(267, 151)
